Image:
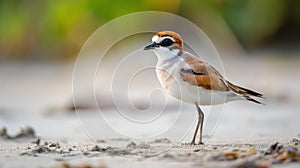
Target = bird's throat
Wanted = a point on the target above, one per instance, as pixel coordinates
(165, 54)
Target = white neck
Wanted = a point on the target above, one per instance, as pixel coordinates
(163, 54)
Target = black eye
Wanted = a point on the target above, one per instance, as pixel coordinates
(166, 42)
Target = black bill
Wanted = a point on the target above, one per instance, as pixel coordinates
(151, 46)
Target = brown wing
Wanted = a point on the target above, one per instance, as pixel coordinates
(201, 74)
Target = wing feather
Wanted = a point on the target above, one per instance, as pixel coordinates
(199, 73)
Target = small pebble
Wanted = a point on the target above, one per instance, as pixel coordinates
(131, 145)
(98, 149)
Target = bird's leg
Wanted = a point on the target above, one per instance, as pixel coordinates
(201, 120)
(197, 127)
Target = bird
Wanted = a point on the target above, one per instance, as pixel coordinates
(192, 80)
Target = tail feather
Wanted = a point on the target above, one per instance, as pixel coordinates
(245, 92)
(251, 93)
(253, 100)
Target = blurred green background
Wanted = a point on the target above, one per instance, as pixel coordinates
(52, 30)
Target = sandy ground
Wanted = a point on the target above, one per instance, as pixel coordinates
(239, 134)
(122, 152)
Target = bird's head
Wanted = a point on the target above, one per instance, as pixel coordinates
(166, 41)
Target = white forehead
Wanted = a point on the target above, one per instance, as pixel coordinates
(157, 39)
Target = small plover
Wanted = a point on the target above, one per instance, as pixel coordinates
(191, 79)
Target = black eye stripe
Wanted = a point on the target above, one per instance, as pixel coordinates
(166, 42)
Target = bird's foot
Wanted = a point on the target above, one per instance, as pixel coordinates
(189, 143)
(201, 143)
(193, 143)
